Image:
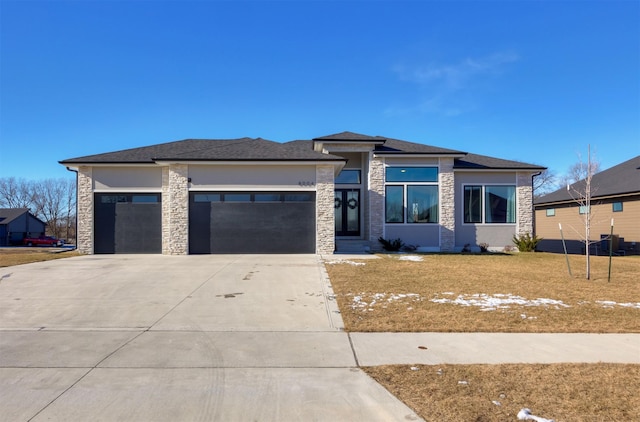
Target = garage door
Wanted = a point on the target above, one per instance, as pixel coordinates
(127, 223)
(252, 222)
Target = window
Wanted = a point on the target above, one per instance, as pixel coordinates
(348, 177)
(253, 197)
(422, 204)
(394, 207)
(490, 204)
(583, 209)
(138, 198)
(617, 207)
(551, 212)
(413, 202)
(412, 174)
(473, 204)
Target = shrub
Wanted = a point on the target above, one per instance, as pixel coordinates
(526, 243)
(391, 245)
(484, 247)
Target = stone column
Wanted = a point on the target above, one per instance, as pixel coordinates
(325, 213)
(175, 210)
(446, 181)
(84, 236)
(524, 202)
(376, 201)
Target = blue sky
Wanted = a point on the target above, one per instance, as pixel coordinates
(534, 81)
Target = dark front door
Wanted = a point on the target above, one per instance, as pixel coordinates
(347, 207)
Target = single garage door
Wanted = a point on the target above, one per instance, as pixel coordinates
(252, 222)
(127, 223)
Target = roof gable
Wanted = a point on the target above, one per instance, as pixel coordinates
(7, 215)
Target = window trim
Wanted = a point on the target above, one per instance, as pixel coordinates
(483, 207)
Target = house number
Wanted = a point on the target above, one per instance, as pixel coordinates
(306, 183)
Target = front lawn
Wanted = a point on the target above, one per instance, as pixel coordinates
(521, 292)
(526, 292)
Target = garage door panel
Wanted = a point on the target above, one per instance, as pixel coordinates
(262, 228)
(138, 228)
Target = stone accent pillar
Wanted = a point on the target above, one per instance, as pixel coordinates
(376, 201)
(325, 213)
(84, 236)
(175, 210)
(524, 202)
(446, 181)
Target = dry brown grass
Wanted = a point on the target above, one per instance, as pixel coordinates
(528, 275)
(563, 392)
(17, 256)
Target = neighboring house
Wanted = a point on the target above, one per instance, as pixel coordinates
(18, 223)
(615, 194)
(339, 192)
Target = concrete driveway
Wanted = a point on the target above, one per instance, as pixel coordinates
(179, 338)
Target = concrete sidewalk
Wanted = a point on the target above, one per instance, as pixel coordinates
(373, 349)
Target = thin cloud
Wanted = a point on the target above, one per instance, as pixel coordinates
(450, 87)
(456, 76)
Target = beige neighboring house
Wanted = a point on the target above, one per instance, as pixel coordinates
(615, 195)
(340, 192)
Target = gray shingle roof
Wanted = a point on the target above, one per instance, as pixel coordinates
(258, 149)
(397, 146)
(7, 215)
(349, 136)
(622, 179)
(242, 149)
(476, 162)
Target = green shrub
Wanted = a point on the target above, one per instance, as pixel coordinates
(526, 243)
(391, 245)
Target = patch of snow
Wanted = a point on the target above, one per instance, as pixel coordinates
(415, 258)
(498, 301)
(358, 301)
(344, 261)
(612, 304)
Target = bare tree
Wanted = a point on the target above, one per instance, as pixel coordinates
(15, 193)
(544, 183)
(579, 171)
(582, 191)
(51, 200)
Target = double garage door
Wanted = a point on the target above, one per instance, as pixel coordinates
(219, 222)
(252, 222)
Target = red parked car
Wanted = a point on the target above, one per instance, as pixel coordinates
(42, 241)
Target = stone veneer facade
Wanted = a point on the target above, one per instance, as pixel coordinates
(446, 182)
(524, 200)
(325, 213)
(85, 210)
(376, 201)
(175, 209)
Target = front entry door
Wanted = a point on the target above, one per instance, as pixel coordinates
(347, 207)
